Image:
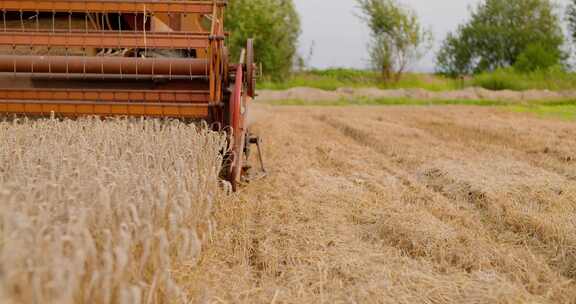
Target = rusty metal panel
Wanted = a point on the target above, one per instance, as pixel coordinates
(105, 39)
(85, 109)
(74, 109)
(67, 109)
(152, 110)
(102, 109)
(119, 66)
(15, 108)
(111, 6)
(175, 96)
(119, 110)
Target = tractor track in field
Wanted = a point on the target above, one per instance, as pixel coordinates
(481, 200)
(435, 182)
(542, 155)
(400, 205)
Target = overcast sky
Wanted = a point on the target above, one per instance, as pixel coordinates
(339, 38)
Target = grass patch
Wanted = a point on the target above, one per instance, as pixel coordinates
(560, 111)
(508, 79)
(565, 110)
(554, 79)
(332, 79)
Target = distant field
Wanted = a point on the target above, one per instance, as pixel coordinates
(332, 79)
(565, 110)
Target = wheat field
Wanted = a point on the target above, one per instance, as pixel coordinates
(447, 204)
(102, 211)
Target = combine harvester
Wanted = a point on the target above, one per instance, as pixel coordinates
(137, 58)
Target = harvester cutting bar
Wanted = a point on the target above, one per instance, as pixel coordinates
(188, 67)
(117, 96)
(112, 6)
(106, 39)
(68, 108)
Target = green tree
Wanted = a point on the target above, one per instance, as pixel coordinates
(275, 27)
(498, 33)
(398, 38)
(571, 14)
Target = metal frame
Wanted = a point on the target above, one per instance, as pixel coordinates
(104, 65)
(112, 6)
(96, 96)
(94, 68)
(107, 39)
(70, 108)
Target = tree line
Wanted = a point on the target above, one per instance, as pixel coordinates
(525, 35)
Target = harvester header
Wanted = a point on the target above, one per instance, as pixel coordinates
(151, 58)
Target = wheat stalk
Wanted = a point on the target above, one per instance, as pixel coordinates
(99, 211)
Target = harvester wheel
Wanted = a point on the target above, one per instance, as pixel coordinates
(237, 119)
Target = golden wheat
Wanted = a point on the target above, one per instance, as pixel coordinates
(95, 211)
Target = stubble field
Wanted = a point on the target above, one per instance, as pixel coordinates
(400, 205)
(445, 204)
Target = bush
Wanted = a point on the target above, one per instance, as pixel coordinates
(536, 58)
(554, 78)
(329, 79)
(502, 79)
